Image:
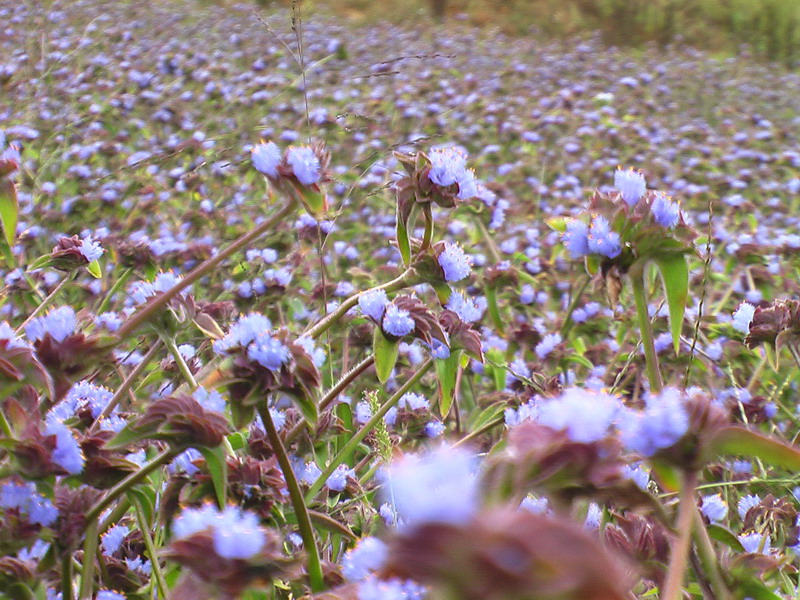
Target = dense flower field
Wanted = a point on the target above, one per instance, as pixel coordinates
(292, 309)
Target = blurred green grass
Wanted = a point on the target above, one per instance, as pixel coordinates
(767, 29)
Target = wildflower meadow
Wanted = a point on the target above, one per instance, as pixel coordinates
(297, 309)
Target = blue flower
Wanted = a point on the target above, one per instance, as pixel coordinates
(455, 264)
(547, 345)
(266, 158)
(663, 422)
(113, 538)
(392, 589)
(602, 240)
(714, 508)
(59, 323)
(576, 239)
(109, 595)
(373, 303)
(439, 486)
(434, 429)
(269, 352)
(317, 354)
(243, 332)
(67, 453)
(90, 249)
(742, 317)
(665, 212)
(746, 503)
(367, 557)
(631, 185)
(237, 534)
(337, 480)
(305, 164)
(585, 415)
(413, 401)
(755, 543)
(464, 307)
(209, 400)
(447, 166)
(397, 322)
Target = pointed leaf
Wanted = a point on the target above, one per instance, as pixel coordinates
(218, 469)
(447, 371)
(94, 269)
(558, 224)
(9, 209)
(494, 310)
(675, 277)
(726, 536)
(744, 442)
(385, 351)
(307, 406)
(125, 438)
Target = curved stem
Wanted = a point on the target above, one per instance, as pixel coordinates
(114, 289)
(355, 440)
(131, 480)
(333, 393)
(480, 431)
(87, 571)
(186, 372)
(156, 304)
(144, 528)
(680, 549)
(46, 302)
(296, 496)
(126, 385)
(651, 358)
(328, 320)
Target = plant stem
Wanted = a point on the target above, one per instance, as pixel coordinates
(45, 303)
(87, 571)
(123, 277)
(126, 385)
(131, 480)
(156, 304)
(680, 549)
(186, 372)
(651, 358)
(490, 243)
(480, 431)
(66, 575)
(355, 440)
(314, 566)
(333, 393)
(328, 320)
(708, 558)
(567, 325)
(144, 528)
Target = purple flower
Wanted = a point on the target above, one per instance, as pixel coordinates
(90, 249)
(742, 317)
(266, 158)
(662, 423)
(454, 262)
(67, 453)
(464, 307)
(576, 239)
(547, 345)
(269, 352)
(714, 508)
(397, 322)
(338, 479)
(113, 538)
(602, 240)
(109, 595)
(305, 164)
(59, 323)
(392, 589)
(438, 486)
(586, 416)
(237, 534)
(746, 503)
(631, 185)
(373, 303)
(447, 166)
(367, 557)
(756, 543)
(243, 332)
(665, 212)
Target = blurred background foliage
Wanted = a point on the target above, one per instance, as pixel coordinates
(768, 29)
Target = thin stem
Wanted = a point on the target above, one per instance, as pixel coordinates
(573, 305)
(186, 372)
(301, 511)
(651, 358)
(156, 304)
(480, 431)
(126, 385)
(45, 303)
(333, 393)
(87, 571)
(66, 575)
(130, 481)
(708, 558)
(355, 440)
(328, 320)
(680, 549)
(123, 277)
(144, 528)
(493, 249)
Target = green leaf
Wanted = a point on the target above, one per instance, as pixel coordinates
(726, 536)
(494, 310)
(125, 438)
(385, 351)
(447, 371)
(744, 442)
(756, 590)
(307, 406)
(558, 224)
(666, 475)
(218, 469)
(144, 500)
(94, 269)
(9, 209)
(675, 277)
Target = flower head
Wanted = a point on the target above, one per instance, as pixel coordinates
(665, 212)
(397, 322)
(368, 556)
(663, 422)
(742, 317)
(269, 352)
(576, 238)
(602, 240)
(586, 416)
(455, 263)
(631, 185)
(373, 303)
(59, 323)
(304, 163)
(266, 158)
